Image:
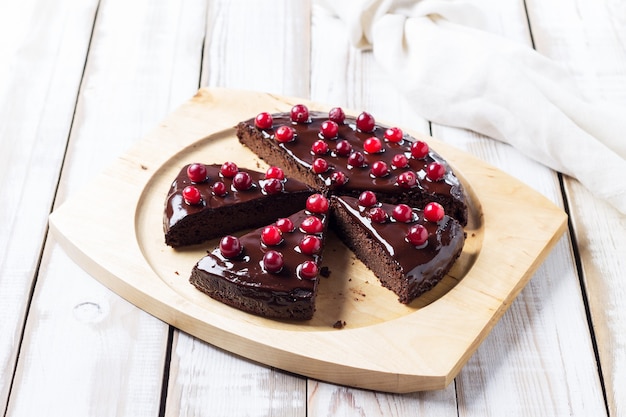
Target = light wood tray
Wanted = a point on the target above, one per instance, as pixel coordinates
(113, 229)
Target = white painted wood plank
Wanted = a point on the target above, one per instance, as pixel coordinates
(43, 48)
(87, 351)
(589, 39)
(262, 46)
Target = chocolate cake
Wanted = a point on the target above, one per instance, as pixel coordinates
(208, 201)
(409, 250)
(342, 155)
(272, 271)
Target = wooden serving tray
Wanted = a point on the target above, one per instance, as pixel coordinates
(383, 345)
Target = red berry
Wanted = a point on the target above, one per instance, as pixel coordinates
(394, 134)
(271, 235)
(329, 129)
(310, 245)
(419, 149)
(284, 134)
(317, 203)
(399, 160)
(300, 113)
(319, 147)
(219, 189)
(435, 171)
(320, 165)
(338, 178)
(275, 172)
(230, 246)
(192, 195)
(402, 213)
(379, 169)
(229, 169)
(273, 186)
(407, 179)
(368, 199)
(377, 215)
(343, 148)
(365, 122)
(285, 225)
(356, 159)
(197, 172)
(263, 120)
(337, 115)
(273, 261)
(373, 145)
(433, 212)
(242, 181)
(307, 270)
(417, 235)
(312, 225)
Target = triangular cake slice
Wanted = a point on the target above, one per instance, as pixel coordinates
(272, 271)
(409, 250)
(344, 155)
(208, 201)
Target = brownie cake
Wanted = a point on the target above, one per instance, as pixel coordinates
(207, 201)
(271, 271)
(409, 250)
(341, 155)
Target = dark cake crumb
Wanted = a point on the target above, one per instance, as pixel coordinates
(339, 324)
(325, 272)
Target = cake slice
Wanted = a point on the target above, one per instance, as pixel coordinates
(409, 250)
(342, 155)
(271, 271)
(208, 201)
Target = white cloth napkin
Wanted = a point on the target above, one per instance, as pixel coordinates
(448, 59)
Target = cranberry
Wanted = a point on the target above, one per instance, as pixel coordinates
(367, 199)
(271, 235)
(300, 113)
(377, 215)
(230, 246)
(284, 134)
(317, 203)
(273, 261)
(192, 195)
(312, 225)
(394, 134)
(419, 149)
(399, 160)
(229, 169)
(310, 245)
(329, 129)
(365, 122)
(242, 181)
(417, 235)
(373, 145)
(337, 115)
(307, 270)
(275, 172)
(320, 165)
(433, 212)
(379, 169)
(319, 147)
(263, 120)
(343, 148)
(219, 189)
(273, 186)
(402, 213)
(356, 159)
(197, 172)
(285, 225)
(338, 178)
(407, 179)
(435, 171)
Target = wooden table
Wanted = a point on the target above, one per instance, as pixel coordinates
(81, 81)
